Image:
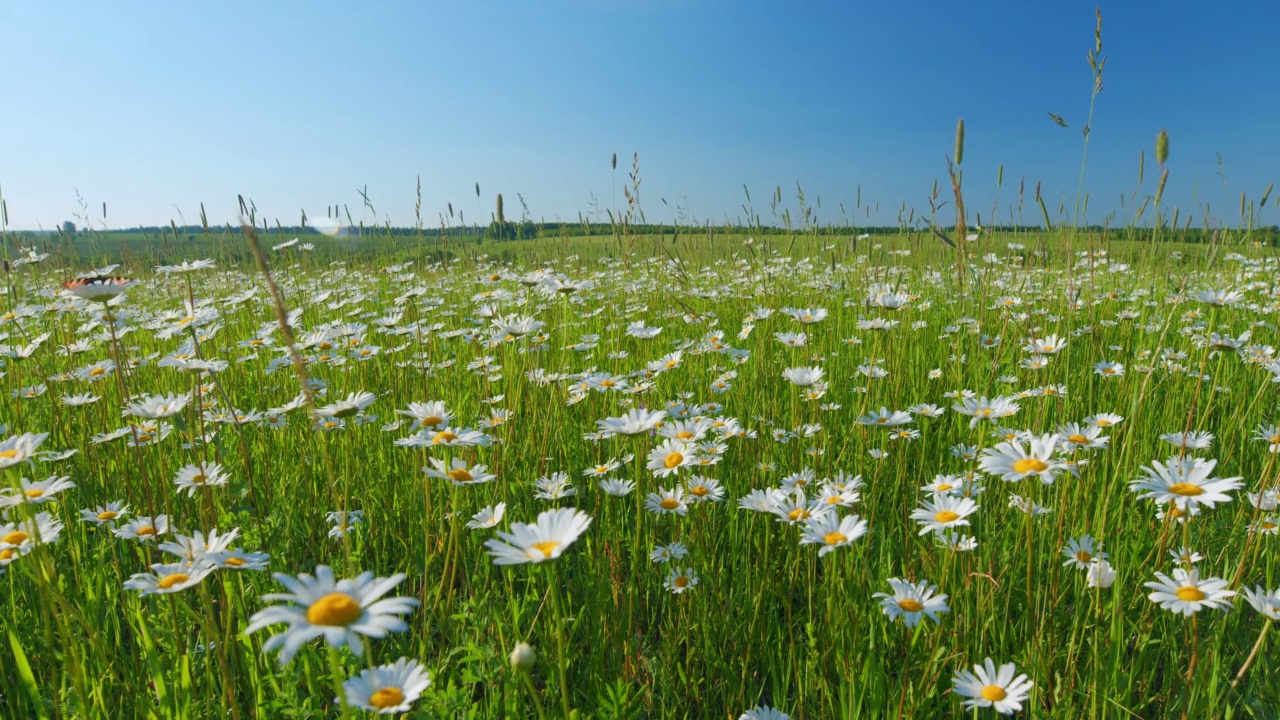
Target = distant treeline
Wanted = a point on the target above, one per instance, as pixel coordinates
(1269, 235)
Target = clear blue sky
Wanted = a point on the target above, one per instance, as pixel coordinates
(155, 107)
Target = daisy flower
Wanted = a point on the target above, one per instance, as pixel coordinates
(1100, 574)
(1012, 462)
(20, 538)
(669, 457)
(354, 403)
(488, 517)
(144, 528)
(387, 689)
(1185, 482)
(1264, 601)
(665, 502)
(616, 487)
(988, 687)
(20, 448)
(193, 477)
(35, 493)
(432, 414)
(764, 712)
(546, 539)
(1218, 297)
(803, 376)
(157, 407)
(912, 601)
(679, 581)
(1108, 369)
(1071, 436)
(702, 489)
(1103, 420)
(885, 418)
(1186, 593)
(105, 514)
(168, 578)
(669, 552)
(458, 472)
(1194, 440)
(944, 512)
(832, 532)
(635, 422)
(985, 409)
(341, 611)
(238, 559)
(1082, 551)
(792, 508)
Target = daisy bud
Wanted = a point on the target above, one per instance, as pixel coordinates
(522, 657)
(1101, 574)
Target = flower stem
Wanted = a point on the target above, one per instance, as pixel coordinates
(562, 660)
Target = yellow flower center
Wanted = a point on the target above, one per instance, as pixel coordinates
(798, 514)
(8, 454)
(33, 493)
(673, 460)
(946, 516)
(198, 479)
(669, 504)
(700, 491)
(1084, 556)
(444, 436)
(684, 435)
(235, 562)
(107, 515)
(1078, 439)
(1029, 465)
(834, 538)
(984, 412)
(337, 609)
(1186, 489)
(97, 371)
(144, 531)
(1268, 525)
(943, 487)
(8, 554)
(994, 693)
(387, 697)
(1103, 423)
(545, 547)
(910, 605)
(460, 476)
(1189, 593)
(169, 581)
(681, 581)
(1109, 371)
(17, 537)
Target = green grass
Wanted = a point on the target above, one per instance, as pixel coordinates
(770, 622)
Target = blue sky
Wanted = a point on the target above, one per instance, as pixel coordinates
(155, 107)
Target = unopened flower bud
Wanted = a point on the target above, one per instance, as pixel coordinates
(522, 657)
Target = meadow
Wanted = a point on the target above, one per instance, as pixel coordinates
(709, 475)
